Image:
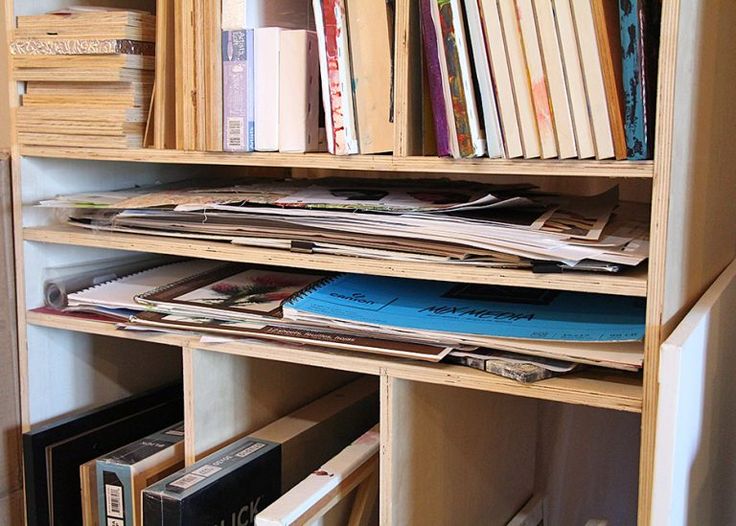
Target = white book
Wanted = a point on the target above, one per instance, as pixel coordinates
(267, 52)
(120, 293)
(299, 92)
(492, 124)
(247, 14)
(556, 82)
(520, 79)
(537, 77)
(574, 77)
(595, 87)
(496, 49)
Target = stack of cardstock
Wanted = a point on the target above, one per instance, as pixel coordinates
(89, 76)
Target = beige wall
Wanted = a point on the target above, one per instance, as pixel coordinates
(4, 113)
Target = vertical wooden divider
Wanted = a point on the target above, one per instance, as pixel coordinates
(385, 470)
(407, 80)
(212, 63)
(185, 75)
(190, 454)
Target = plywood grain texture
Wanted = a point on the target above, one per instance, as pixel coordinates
(10, 448)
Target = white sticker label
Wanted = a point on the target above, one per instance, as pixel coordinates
(114, 501)
(187, 481)
(250, 449)
(206, 470)
(115, 522)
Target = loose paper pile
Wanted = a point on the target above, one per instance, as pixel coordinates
(509, 226)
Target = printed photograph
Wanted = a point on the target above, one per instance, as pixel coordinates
(258, 291)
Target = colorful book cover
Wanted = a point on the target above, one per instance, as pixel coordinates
(474, 310)
(338, 100)
(237, 61)
(639, 43)
(434, 78)
(454, 77)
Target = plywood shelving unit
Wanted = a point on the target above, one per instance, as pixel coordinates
(443, 427)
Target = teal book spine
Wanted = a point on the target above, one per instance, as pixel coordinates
(639, 43)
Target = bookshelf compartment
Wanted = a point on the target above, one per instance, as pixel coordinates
(71, 371)
(455, 456)
(464, 457)
(230, 396)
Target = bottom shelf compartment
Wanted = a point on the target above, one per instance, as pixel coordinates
(456, 456)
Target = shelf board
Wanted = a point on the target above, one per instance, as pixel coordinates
(594, 387)
(632, 283)
(432, 166)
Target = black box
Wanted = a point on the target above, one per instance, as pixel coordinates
(228, 487)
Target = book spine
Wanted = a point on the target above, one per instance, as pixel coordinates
(233, 15)
(266, 88)
(338, 103)
(235, 88)
(434, 78)
(537, 78)
(455, 80)
(636, 46)
(250, 95)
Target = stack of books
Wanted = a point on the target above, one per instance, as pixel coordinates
(541, 78)
(89, 77)
(271, 63)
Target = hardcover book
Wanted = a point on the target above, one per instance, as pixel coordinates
(434, 79)
(459, 79)
(639, 46)
(238, 80)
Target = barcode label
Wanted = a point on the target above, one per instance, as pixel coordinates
(114, 501)
(250, 449)
(235, 132)
(206, 470)
(187, 481)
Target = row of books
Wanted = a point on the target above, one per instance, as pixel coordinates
(548, 78)
(128, 459)
(271, 77)
(403, 318)
(88, 76)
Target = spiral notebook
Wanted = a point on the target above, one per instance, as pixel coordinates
(117, 297)
(231, 291)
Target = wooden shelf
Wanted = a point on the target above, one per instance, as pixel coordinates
(595, 388)
(433, 167)
(632, 283)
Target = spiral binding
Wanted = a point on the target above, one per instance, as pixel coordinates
(297, 296)
(120, 278)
